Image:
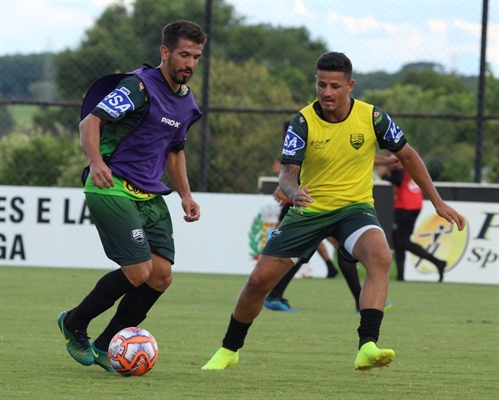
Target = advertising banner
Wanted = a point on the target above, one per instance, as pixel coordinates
(52, 227)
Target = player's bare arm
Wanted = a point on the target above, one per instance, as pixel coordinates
(288, 181)
(177, 170)
(90, 141)
(416, 168)
(387, 161)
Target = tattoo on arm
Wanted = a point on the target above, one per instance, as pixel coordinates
(288, 178)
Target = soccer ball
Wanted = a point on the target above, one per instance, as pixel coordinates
(133, 351)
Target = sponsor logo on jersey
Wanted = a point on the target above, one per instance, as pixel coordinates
(393, 133)
(319, 144)
(117, 102)
(136, 192)
(138, 236)
(357, 140)
(171, 122)
(292, 143)
(443, 240)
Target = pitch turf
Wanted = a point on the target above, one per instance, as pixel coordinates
(445, 336)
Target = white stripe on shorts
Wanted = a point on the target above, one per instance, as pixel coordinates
(352, 239)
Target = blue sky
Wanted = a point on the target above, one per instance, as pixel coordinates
(376, 35)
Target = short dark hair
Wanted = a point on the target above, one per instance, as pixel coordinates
(337, 62)
(182, 29)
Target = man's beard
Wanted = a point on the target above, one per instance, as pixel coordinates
(180, 79)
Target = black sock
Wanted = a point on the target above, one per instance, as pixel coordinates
(235, 335)
(331, 269)
(131, 311)
(349, 271)
(278, 291)
(370, 323)
(102, 297)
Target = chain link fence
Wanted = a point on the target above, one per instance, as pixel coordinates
(260, 75)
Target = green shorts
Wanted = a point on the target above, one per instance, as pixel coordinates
(131, 230)
(299, 236)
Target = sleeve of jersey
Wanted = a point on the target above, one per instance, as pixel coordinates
(293, 151)
(388, 133)
(128, 96)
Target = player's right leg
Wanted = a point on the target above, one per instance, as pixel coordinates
(267, 272)
(114, 217)
(296, 238)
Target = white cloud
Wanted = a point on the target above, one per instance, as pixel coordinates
(473, 29)
(332, 17)
(300, 8)
(437, 26)
(38, 26)
(358, 25)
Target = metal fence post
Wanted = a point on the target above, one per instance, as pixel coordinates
(481, 98)
(205, 90)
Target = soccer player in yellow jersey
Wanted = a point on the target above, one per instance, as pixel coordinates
(330, 148)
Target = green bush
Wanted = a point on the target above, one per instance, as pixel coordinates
(40, 160)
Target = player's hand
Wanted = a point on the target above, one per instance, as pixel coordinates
(191, 209)
(451, 215)
(101, 175)
(301, 199)
(279, 196)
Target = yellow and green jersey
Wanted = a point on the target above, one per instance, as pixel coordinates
(337, 158)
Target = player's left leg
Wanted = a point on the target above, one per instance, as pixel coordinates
(133, 308)
(135, 305)
(372, 250)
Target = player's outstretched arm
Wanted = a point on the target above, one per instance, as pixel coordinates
(416, 168)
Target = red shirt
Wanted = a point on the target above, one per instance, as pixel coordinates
(408, 195)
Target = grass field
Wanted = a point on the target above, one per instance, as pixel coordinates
(445, 336)
(23, 116)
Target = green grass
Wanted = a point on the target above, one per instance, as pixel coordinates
(23, 116)
(445, 337)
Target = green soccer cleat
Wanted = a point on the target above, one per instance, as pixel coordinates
(223, 359)
(369, 356)
(101, 358)
(77, 343)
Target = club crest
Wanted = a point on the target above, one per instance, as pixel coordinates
(138, 236)
(357, 140)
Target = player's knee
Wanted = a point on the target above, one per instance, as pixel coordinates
(258, 284)
(161, 283)
(139, 273)
(379, 261)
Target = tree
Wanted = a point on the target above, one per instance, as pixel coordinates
(40, 160)
(21, 72)
(438, 141)
(6, 121)
(242, 146)
(120, 42)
